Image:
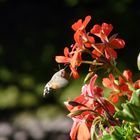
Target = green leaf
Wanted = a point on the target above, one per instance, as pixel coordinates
(109, 137)
(125, 132)
(135, 99)
(95, 124)
(131, 109)
(117, 134)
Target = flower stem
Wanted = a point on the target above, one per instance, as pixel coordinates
(91, 63)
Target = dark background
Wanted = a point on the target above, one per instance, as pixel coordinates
(31, 34)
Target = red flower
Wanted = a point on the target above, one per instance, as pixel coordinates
(116, 89)
(82, 120)
(114, 97)
(79, 25)
(108, 107)
(102, 31)
(120, 87)
(80, 36)
(83, 132)
(74, 129)
(130, 84)
(108, 45)
(137, 84)
(92, 90)
(127, 75)
(86, 107)
(72, 58)
(79, 130)
(110, 83)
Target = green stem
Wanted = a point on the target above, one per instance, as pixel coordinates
(88, 51)
(91, 63)
(136, 130)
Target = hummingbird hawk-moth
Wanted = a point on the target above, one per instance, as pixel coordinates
(59, 80)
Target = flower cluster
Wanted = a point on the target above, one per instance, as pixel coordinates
(95, 115)
(85, 43)
(88, 106)
(121, 87)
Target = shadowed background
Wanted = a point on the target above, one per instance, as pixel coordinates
(31, 34)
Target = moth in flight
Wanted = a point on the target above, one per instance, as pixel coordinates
(59, 80)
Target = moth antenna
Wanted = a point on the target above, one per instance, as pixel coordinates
(70, 74)
(66, 66)
(59, 67)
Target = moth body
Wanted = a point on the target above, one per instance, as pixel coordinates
(59, 80)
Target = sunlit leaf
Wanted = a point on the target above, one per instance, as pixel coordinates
(131, 110)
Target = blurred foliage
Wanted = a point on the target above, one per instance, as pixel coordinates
(31, 34)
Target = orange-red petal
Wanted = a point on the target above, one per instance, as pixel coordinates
(83, 132)
(117, 43)
(128, 75)
(110, 53)
(114, 98)
(102, 31)
(74, 130)
(107, 28)
(96, 29)
(74, 72)
(86, 21)
(62, 59)
(137, 84)
(77, 25)
(96, 53)
(66, 51)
